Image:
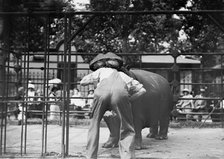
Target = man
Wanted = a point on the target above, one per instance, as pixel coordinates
(111, 94)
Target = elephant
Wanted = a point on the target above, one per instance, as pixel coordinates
(150, 110)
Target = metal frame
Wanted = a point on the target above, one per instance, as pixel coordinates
(66, 86)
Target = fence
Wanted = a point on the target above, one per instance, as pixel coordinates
(69, 66)
(37, 78)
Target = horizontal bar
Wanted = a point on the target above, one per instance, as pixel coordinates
(148, 68)
(18, 101)
(131, 54)
(204, 98)
(221, 84)
(181, 68)
(200, 113)
(56, 13)
(60, 102)
(78, 82)
(34, 79)
(51, 68)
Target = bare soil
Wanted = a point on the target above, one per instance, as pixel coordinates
(183, 143)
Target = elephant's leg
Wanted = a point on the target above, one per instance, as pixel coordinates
(153, 130)
(163, 130)
(113, 124)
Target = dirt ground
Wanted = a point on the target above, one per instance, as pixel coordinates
(183, 143)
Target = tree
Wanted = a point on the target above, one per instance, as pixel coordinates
(129, 33)
(149, 33)
(123, 33)
(28, 32)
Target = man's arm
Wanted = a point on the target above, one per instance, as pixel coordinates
(90, 78)
(86, 80)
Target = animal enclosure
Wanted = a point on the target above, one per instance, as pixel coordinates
(22, 66)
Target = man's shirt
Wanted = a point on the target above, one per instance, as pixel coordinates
(103, 73)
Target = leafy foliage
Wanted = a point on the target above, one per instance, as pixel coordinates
(122, 33)
(28, 33)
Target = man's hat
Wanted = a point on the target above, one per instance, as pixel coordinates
(97, 58)
(107, 56)
(113, 56)
(113, 60)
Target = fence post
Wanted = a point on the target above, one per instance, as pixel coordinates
(4, 42)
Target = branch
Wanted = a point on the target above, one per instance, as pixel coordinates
(76, 33)
(216, 22)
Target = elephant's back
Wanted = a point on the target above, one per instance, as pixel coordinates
(151, 81)
(157, 98)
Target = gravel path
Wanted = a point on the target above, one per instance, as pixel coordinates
(184, 143)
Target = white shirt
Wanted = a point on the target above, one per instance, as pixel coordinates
(135, 89)
(103, 73)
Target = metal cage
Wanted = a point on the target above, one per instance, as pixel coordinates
(21, 67)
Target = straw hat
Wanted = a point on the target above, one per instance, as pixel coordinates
(186, 90)
(96, 59)
(113, 56)
(54, 81)
(113, 60)
(31, 86)
(107, 56)
(202, 90)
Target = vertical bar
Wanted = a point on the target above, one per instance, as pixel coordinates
(58, 68)
(68, 89)
(174, 82)
(44, 92)
(2, 74)
(2, 70)
(222, 95)
(27, 79)
(23, 104)
(64, 89)
(44, 108)
(76, 60)
(201, 80)
(7, 93)
(3, 104)
(44, 120)
(140, 59)
(47, 61)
